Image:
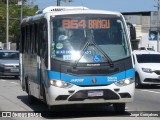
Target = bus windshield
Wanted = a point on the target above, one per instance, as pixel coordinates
(88, 38)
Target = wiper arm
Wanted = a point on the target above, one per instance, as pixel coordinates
(106, 56)
(89, 42)
(84, 48)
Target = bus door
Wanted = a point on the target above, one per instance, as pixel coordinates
(34, 73)
(42, 56)
(38, 66)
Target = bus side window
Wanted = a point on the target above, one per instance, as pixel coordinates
(38, 41)
(40, 44)
(44, 42)
(22, 40)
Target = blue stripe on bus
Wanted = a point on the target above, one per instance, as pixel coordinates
(89, 80)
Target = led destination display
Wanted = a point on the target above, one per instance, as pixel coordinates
(90, 24)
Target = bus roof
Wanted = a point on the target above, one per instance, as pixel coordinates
(60, 8)
(74, 9)
(63, 10)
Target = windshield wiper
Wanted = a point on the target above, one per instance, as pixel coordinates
(106, 56)
(91, 42)
(82, 53)
(88, 43)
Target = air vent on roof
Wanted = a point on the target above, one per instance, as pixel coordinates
(60, 8)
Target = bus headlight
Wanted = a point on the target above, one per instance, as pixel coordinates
(125, 82)
(60, 84)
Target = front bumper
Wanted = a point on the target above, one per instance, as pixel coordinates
(80, 95)
(150, 78)
(9, 72)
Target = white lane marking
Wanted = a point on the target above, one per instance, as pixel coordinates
(10, 82)
(151, 91)
(3, 80)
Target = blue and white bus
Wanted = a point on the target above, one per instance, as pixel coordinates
(74, 55)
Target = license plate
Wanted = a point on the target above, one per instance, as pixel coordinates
(14, 70)
(95, 93)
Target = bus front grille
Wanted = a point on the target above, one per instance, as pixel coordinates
(83, 94)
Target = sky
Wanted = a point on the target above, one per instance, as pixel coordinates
(111, 5)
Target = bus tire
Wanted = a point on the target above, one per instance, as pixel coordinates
(26, 84)
(119, 107)
(49, 108)
(31, 99)
(44, 94)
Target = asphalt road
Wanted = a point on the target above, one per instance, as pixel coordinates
(13, 99)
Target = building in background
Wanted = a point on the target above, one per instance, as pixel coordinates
(147, 29)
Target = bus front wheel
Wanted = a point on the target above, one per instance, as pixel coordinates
(119, 107)
(31, 99)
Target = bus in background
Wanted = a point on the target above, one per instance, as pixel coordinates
(74, 55)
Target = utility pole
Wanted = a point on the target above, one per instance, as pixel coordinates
(7, 29)
(20, 3)
(21, 11)
(158, 27)
(59, 2)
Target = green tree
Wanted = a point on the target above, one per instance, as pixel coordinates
(14, 18)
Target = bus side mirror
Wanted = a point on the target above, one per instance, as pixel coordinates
(132, 30)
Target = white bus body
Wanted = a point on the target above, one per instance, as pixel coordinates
(93, 67)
